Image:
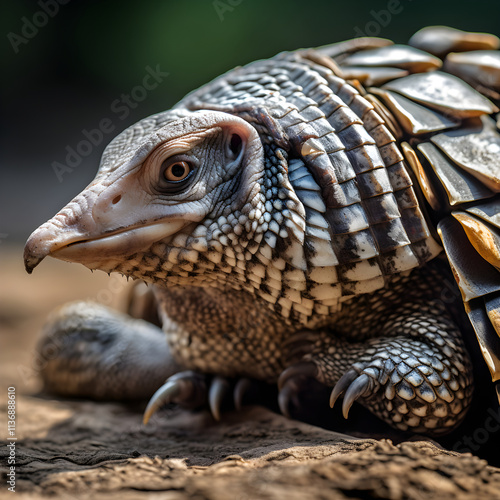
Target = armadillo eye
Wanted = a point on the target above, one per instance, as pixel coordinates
(177, 171)
(175, 174)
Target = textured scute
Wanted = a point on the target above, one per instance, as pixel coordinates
(479, 283)
(487, 211)
(484, 237)
(476, 149)
(444, 93)
(460, 186)
(397, 56)
(414, 118)
(479, 67)
(441, 40)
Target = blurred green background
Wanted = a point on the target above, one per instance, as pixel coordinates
(62, 77)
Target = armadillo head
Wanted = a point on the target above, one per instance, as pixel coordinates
(170, 195)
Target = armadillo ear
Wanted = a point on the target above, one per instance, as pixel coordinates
(235, 144)
(237, 135)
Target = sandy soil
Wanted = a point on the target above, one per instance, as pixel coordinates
(81, 449)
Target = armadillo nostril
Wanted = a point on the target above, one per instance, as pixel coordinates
(116, 199)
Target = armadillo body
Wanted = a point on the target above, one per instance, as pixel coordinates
(374, 157)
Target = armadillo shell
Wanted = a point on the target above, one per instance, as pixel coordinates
(362, 222)
(479, 283)
(370, 76)
(476, 149)
(397, 56)
(477, 67)
(444, 93)
(459, 185)
(414, 118)
(441, 40)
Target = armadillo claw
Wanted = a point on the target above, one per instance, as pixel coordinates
(343, 383)
(187, 389)
(286, 395)
(360, 387)
(354, 385)
(289, 384)
(240, 389)
(219, 388)
(302, 369)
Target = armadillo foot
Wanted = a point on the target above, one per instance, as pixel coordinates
(414, 388)
(192, 390)
(417, 377)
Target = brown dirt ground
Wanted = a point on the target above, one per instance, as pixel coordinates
(81, 449)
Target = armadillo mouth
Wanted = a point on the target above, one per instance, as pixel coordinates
(74, 247)
(126, 240)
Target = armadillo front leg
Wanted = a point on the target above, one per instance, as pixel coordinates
(417, 378)
(413, 373)
(88, 350)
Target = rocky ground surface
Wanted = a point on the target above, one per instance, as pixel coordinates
(81, 449)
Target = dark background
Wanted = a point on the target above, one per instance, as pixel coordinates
(64, 78)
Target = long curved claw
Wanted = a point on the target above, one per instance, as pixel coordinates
(302, 369)
(289, 384)
(287, 393)
(356, 389)
(187, 388)
(167, 393)
(240, 389)
(343, 383)
(218, 390)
